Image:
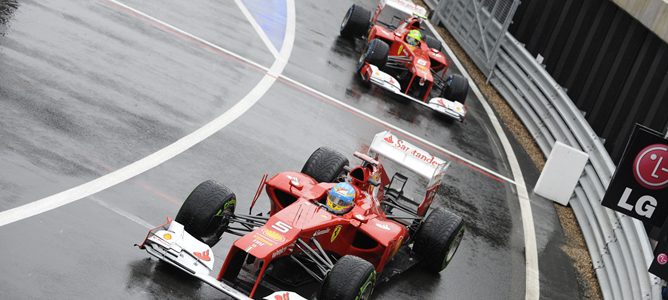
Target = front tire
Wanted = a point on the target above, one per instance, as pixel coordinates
(375, 53)
(206, 212)
(350, 278)
(456, 88)
(325, 165)
(356, 22)
(438, 239)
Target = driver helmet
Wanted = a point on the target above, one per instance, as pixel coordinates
(341, 198)
(414, 37)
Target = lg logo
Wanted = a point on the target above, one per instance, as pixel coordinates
(650, 169)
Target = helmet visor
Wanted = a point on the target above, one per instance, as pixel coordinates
(337, 202)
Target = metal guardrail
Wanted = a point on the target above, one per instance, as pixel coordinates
(431, 3)
(618, 245)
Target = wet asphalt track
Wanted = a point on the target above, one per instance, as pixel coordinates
(87, 88)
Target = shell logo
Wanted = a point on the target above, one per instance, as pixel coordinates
(167, 236)
(273, 235)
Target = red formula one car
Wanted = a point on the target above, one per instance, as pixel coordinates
(394, 60)
(303, 242)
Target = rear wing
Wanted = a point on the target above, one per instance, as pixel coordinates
(406, 6)
(413, 158)
(408, 155)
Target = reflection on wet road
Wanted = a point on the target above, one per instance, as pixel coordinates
(86, 89)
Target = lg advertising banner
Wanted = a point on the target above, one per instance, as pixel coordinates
(639, 187)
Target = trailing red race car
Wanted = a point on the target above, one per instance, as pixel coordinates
(338, 228)
(402, 58)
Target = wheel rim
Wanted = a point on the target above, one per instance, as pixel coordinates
(346, 18)
(455, 245)
(360, 62)
(219, 221)
(367, 287)
(365, 53)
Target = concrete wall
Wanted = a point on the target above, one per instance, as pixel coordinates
(651, 13)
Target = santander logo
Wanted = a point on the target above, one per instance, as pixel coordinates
(407, 148)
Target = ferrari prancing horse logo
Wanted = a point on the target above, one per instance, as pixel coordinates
(335, 233)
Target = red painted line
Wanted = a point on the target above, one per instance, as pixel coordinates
(296, 87)
(183, 36)
(381, 125)
(144, 185)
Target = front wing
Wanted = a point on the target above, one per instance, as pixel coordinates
(172, 244)
(452, 109)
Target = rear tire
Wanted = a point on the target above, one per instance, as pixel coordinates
(356, 22)
(438, 239)
(456, 88)
(351, 278)
(325, 165)
(206, 212)
(375, 53)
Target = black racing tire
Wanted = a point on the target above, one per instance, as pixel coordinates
(438, 239)
(325, 165)
(206, 212)
(350, 278)
(456, 88)
(433, 42)
(356, 22)
(375, 53)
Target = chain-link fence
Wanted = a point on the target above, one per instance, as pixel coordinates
(478, 25)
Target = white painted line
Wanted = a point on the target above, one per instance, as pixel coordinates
(291, 9)
(123, 213)
(263, 36)
(397, 129)
(176, 148)
(531, 253)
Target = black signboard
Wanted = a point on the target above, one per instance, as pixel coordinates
(639, 187)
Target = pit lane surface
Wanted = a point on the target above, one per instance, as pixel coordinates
(88, 88)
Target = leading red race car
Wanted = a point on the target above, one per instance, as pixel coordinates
(392, 59)
(302, 241)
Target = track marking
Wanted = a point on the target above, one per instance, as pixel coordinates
(89, 188)
(178, 31)
(125, 173)
(258, 29)
(468, 162)
(397, 129)
(530, 249)
(123, 213)
(189, 36)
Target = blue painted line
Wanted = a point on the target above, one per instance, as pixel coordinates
(271, 15)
